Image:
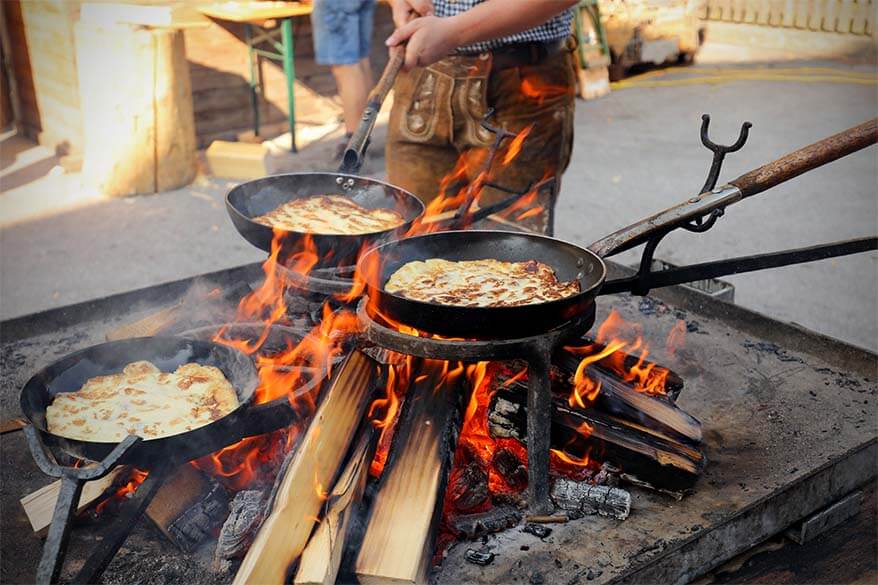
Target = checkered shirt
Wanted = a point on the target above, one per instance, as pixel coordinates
(554, 29)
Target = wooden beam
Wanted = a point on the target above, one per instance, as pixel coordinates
(40, 505)
(313, 465)
(398, 543)
(321, 559)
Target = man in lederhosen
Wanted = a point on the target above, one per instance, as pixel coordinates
(466, 56)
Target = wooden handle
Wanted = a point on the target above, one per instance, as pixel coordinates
(756, 181)
(810, 157)
(356, 149)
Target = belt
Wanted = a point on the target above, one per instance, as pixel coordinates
(534, 53)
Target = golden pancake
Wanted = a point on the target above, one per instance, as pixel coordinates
(479, 283)
(330, 214)
(142, 400)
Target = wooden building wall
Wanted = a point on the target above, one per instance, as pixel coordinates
(45, 72)
(43, 59)
(854, 17)
(219, 71)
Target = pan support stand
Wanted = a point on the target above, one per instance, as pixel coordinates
(537, 350)
(72, 480)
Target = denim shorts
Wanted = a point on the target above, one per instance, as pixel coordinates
(342, 30)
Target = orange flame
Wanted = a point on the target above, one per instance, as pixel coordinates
(136, 478)
(536, 89)
(676, 338)
(283, 373)
(621, 339)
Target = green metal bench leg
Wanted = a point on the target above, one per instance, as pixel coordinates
(253, 60)
(290, 73)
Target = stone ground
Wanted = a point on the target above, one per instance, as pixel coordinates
(636, 152)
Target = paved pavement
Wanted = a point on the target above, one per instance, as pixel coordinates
(637, 151)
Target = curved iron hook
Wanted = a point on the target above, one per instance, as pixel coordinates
(719, 150)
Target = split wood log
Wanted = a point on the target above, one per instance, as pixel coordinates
(314, 463)
(620, 399)
(12, 424)
(322, 557)
(656, 459)
(188, 507)
(579, 498)
(400, 533)
(39, 506)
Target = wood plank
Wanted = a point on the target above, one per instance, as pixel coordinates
(321, 559)
(40, 505)
(398, 543)
(12, 424)
(315, 463)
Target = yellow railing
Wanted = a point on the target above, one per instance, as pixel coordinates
(841, 16)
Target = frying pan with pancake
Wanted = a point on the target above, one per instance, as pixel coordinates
(254, 198)
(585, 265)
(69, 374)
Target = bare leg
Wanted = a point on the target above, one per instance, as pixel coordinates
(367, 71)
(353, 88)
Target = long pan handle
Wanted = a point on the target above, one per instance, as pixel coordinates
(807, 158)
(749, 184)
(355, 152)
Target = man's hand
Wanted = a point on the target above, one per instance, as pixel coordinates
(405, 10)
(428, 39)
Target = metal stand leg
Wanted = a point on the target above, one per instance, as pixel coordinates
(290, 73)
(253, 60)
(539, 429)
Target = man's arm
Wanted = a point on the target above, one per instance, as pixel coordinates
(430, 38)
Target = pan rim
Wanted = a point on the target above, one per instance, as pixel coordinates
(407, 224)
(248, 392)
(429, 304)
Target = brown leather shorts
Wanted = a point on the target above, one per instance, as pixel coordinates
(436, 116)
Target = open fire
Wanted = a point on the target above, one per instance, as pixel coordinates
(486, 469)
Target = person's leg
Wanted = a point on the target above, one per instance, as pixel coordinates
(418, 151)
(336, 28)
(353, 89)
(543, 97)
(367, 17)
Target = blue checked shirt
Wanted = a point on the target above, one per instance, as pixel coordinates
(554, 29)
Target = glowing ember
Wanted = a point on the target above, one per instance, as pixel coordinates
(136, 478)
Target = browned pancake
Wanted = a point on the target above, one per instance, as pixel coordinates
(479, 283)
(144, 401)
(330, 214)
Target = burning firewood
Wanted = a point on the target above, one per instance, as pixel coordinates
(322, 557)
(314, 464)
(579, 498)
(653, 458)
(620, 398)
(398, 542)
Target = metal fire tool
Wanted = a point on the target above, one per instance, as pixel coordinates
(462, 216)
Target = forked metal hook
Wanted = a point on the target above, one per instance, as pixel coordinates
(719, 150)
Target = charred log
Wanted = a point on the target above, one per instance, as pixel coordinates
(659, 460)
(246, 512)
(468, 487)
(580, 498)
(620, 399)
(494, 520)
